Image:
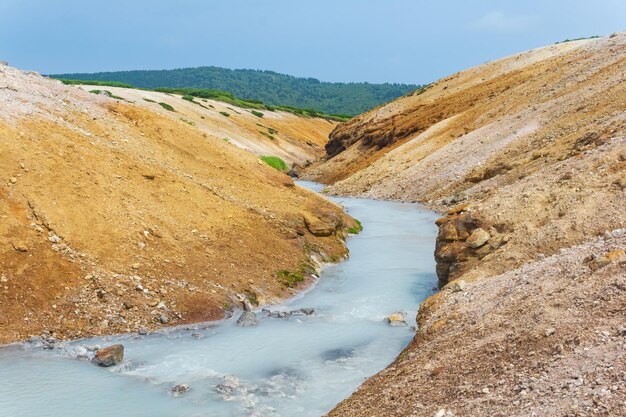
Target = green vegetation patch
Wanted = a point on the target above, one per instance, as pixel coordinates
(190, 99)
(149, 101)
(356, 229)
(95, 82)
(166, 106)
(275, 162)
(108, 94)
(223, 113)
(257, 113)
(290, 279)
(577, 39)
(267, 135)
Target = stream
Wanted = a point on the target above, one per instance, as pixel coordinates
(302, 365)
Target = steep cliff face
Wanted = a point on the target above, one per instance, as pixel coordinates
(114, 217)
(526, 158)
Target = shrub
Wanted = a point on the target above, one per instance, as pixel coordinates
(275, 162)
(257, 113)
(149, 101)
(166, 106)
(223, 113)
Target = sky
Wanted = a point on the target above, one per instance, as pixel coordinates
(405, 41)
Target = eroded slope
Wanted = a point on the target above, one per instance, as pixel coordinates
(526, 156)
(295, 139)
(116, 218)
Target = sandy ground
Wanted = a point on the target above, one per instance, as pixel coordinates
(526, 157)
(115, 217)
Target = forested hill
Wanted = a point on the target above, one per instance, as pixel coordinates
(267, 86)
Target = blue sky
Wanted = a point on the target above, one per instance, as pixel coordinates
(410, 41)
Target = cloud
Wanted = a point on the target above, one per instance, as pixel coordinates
(497, 21)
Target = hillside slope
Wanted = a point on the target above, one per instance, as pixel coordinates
(527, 157)
(116, 218)
(270, 87)
(295, 139)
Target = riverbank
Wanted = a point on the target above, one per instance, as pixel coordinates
(298, 364)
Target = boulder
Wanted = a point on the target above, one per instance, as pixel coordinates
(324, 225)
(478, 238)
(179, 389)
(396, 319)
(109, 356)
(247, 318)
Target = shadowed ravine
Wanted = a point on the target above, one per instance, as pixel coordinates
(299, 366)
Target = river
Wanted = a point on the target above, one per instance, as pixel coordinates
(300, 366)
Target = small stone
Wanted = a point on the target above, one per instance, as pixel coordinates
(458, 285)
(136, 265)
(12, 180)
(550, 331)
(396, 319)
(109, 356)
(20, 246)
(142, 331)
(163, 319)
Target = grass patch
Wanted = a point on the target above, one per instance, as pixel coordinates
(356, 229)
(275, 162)
(189, 122)
(93, 82)
(149, 101)
(577, 39)
(290, 279)
(166, 106)
(223, 113)
(108, 94)
(256, 113)
(267, 135)
(190, 99)
(271, 131)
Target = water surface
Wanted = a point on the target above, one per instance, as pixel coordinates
(300, 366)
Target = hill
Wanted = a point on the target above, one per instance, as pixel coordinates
(270, 87)
(526, 158)
(293, 138)
(116, 217)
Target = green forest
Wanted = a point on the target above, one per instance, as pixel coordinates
(269, 87)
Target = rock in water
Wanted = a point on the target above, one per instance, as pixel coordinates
(248, 318)
(109, 356)
(179, 389)
(396, 319)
